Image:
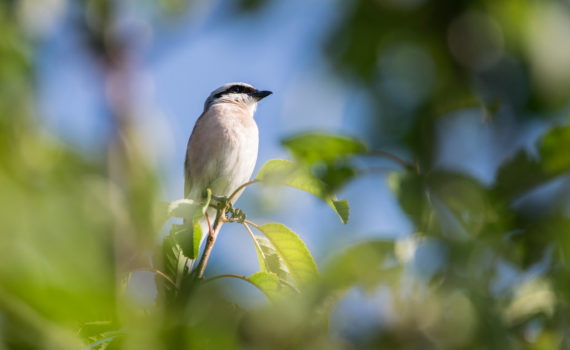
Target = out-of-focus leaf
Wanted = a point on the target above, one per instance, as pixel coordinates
(366, 264)
(554, 150)
(293, 251)
(523, 172)
(518, 175)
(411, 192)
(189, 209)
(318, 147)
(531, 298)
(270, 261)
(189, 234)
(287, 173)
(171, 261)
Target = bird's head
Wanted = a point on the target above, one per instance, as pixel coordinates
(240, 93)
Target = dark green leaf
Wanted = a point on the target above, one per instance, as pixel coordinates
(287, 173)
(554, 150)
(318, 147)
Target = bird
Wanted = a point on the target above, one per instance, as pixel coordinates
(222, 148)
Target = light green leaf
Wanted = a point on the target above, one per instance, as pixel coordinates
(189, 234)
(270, 261)
(287, 173)
(268, 283)
(315, 147)
(293, 251)
(189, 209)
(366, 264)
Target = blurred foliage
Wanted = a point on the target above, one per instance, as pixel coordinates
(486, 266)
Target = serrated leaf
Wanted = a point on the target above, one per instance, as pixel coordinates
(287, 173)
(293, 251)
(167, 260)
(268, 283)
(270, 261)
(314, 147)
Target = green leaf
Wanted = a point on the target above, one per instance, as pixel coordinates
(269, 259)
(188, 236)
(189, 209)
(287, 173)
(293, 251)
(167, 260)
(342, 209)
(554, 150)
(510, 183)
(365, 264)
(268, 283)
(314, 147)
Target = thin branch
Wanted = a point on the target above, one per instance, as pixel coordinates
(158, 272)
(209, 246)
(254, 241)
(241, 188)
(395, 158)
(249, 222)
(244, 278)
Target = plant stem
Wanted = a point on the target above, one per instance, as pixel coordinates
(244, 278)
(209, 245)
(158, 272)
(254, 240)
(234, 193)
(395, 158)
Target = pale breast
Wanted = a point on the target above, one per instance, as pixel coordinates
(222, 150)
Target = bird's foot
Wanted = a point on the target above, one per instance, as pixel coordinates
(236, 215)
(231, 214)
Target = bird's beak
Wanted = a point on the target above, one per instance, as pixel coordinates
(260, 95)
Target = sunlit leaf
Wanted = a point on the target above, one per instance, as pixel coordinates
(293, 251)
(287, 173)
(315, 147)
(269, 259)
(268, 283)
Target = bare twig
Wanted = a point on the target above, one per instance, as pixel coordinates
(254, 240)
(244, 278)
(394, 157)
(241, 188)
(158, 272)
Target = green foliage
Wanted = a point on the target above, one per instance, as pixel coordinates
(485, 265)
(287, 173)
(293, 253)
(268, 283)
(318, 147)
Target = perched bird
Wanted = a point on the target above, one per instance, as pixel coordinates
(222, 149)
